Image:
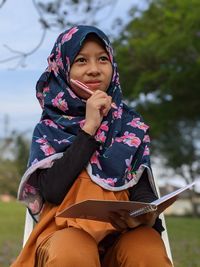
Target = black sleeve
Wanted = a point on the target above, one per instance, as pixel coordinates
(143, 192)
(53, 183)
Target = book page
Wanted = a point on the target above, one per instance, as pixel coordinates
(165, 201)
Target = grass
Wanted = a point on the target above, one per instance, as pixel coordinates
(11, 231)
(183, 233)
(184, 236)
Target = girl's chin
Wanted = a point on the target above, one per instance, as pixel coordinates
(84, 96)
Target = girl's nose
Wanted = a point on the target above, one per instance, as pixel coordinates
(93, 69)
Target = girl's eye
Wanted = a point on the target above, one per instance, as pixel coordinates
(104, 58)
(80, 60)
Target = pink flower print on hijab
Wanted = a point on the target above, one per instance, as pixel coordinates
(130, 174)
(100, 135)
(115, 78)
(68, 64)
(109, 50)
(104, 126)
(49, 123)
(29, 194)
(59, 57)
(52, 65)
(82, 123)
(118, 113)
(41, 96)
(128, 163)
(34, 206)
(59, 102)
(146, 139)
(47, 149)
(110, 181)
(66, 37)
(138, 124)
(129, 139)
(28, 189)
(146, 151)
(63, 141)
(42, 140)
(94, 160)
(45, 146)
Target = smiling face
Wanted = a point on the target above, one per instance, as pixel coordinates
(92, 67)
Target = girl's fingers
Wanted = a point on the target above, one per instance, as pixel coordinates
(106, 108)
(117, 221)
(146, 219)
(123, 220)
(101, 104)
(131, 222)
(149, 218)
(97, 106)
(99, 95)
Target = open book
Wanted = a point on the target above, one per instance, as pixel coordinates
(99, 210)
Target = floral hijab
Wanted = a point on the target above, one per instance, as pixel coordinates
(124, 143)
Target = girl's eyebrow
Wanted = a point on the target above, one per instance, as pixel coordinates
(85, 54)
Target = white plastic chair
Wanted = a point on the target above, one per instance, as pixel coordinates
(29, 224)
(164, 233)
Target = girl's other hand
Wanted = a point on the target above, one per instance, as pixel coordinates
(97, 106)
(122, 220)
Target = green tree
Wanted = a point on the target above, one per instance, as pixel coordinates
(159, 55)
(13, 160)
(159, 52)
(9, 177)
(21, 152)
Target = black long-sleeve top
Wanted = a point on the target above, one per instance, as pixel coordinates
(67, 169)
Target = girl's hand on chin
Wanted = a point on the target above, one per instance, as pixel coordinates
(97, 106)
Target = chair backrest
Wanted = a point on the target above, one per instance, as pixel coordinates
(29, 224)
(164, 233)
(165, 238)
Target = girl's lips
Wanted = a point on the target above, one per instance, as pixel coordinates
(93, 85)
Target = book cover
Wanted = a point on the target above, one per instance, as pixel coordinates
(99, 210)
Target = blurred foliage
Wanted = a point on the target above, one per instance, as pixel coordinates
(9, 177)
(159, 57)
(158, 52)
(14, 153)
(159, 62)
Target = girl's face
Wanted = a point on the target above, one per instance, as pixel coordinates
(92, 67)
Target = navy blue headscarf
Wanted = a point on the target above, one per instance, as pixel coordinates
(124, 150)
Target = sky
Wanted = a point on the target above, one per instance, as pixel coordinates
(20, 30)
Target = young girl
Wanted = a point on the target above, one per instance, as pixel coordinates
(88, 146)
